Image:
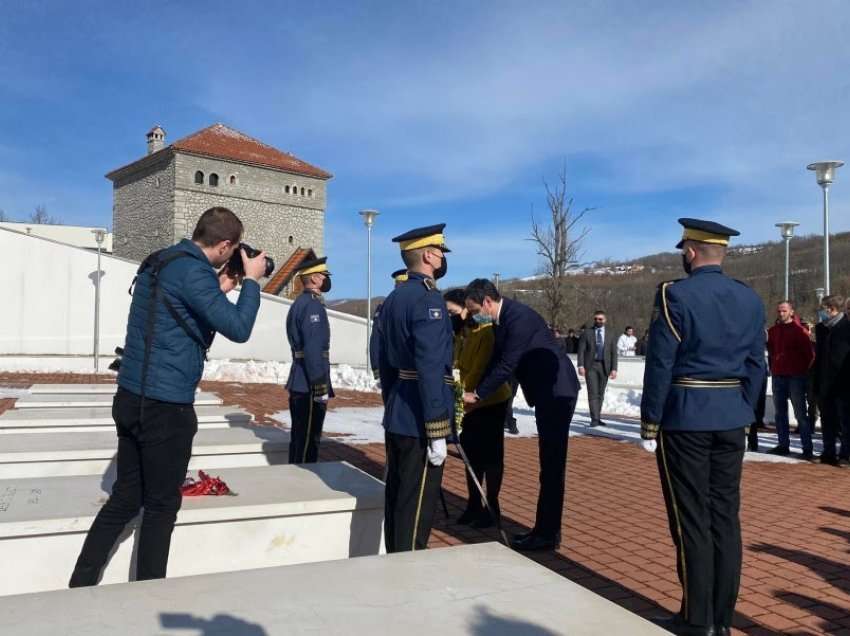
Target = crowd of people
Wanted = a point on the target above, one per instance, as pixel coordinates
(449, 365)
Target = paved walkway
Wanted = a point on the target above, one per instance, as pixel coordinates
(796, 518)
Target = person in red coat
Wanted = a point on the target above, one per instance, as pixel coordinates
(791, 355)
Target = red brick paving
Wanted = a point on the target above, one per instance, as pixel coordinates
(796, 521)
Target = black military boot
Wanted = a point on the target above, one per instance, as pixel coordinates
(676, 625)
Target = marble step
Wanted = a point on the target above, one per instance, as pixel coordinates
(484, 589)
(61, 419)
(41, 389)
(77, 400)
(75, 453)
(281, 515)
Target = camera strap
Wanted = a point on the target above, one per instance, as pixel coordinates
(156, 262)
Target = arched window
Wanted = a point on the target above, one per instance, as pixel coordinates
(214, 179)
(199, 177)
(302, 191)
(289, 240)
(233, 179)
(310, 193)
(286, 189)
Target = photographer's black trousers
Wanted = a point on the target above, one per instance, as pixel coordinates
(154, 448)
(308, 418)
(701, 482)
(412, 492)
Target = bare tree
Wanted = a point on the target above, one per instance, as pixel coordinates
(41, 217)
(558, 243)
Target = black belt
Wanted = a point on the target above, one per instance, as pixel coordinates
(300, 354)
(411, 374)
(699, 383)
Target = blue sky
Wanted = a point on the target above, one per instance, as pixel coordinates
(447, 111)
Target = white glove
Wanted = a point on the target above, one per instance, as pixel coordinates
(649, 445)
(321, 399)
(437, 451)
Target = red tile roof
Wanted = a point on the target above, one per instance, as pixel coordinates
(281, 277)
(224, 142)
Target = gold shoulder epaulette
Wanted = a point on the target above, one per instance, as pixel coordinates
(666, 309)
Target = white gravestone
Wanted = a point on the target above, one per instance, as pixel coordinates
(76, 453)
(92, 419)
(280, 515)
(78, 400)
(478, 590)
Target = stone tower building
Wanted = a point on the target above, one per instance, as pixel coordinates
(158, 199)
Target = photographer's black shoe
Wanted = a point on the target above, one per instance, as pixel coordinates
(675, 625)
(720, 630)
(534, 542)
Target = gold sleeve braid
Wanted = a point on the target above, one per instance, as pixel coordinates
(434, 429)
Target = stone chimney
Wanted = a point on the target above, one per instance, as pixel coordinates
(156, 139)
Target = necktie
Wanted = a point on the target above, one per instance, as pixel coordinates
(599, 349)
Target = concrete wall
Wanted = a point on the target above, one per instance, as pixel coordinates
(72, 234)
(48, 307)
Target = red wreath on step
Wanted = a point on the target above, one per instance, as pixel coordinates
(205, 485)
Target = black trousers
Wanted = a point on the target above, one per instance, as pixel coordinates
(553, 429)
(308, 418)
(154, 448)
(701, 482)
(597, 382)
(412, 492)
(510, 420)
(835, 425)
(483, 441)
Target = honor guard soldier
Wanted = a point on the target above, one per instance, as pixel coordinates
(399, 276)
(309, 383)
(417, 389)
(704, 370)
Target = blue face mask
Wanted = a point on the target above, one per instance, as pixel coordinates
(822, 315)
(482, 319)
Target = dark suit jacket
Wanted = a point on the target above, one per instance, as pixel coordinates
(832, 359)
(587, 348)
(526, 348)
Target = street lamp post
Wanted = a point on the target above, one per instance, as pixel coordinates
(99, 235)
(369, 220)
(825, 174)
(497, 279)
(786, 228)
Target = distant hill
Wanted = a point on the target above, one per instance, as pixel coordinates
(625, 290)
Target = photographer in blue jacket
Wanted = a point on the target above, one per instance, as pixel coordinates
(179, 303)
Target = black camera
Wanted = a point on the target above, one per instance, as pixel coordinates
(235, 267)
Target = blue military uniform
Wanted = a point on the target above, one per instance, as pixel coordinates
(415, 366)
(309, 383)
(399, 276)
(704, 369)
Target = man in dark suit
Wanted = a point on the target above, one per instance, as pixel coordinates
(597, 361)
(527, 349)
(831, 378)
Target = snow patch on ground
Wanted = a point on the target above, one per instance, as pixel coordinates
(343, 376)
(363, 425)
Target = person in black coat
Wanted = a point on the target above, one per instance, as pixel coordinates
(527, 349)
(832, 378)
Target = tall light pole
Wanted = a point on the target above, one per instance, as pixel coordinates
(825, 174)
(99, 235)
(786, 228)
(369, 220)
(496, 279)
